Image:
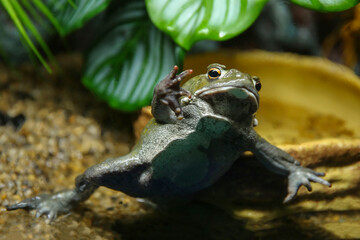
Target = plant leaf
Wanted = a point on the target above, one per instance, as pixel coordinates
(12, 7)
(188, 21)
(72, 14)
(30, 26)
(129, 58)
(327, 5)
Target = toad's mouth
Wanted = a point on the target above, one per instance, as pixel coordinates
(235, 91)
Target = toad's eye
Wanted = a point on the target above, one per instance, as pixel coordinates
(257, 83)
(214, 73)
(258, 86)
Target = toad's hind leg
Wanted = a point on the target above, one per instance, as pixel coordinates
(116, 173)
(61, 202)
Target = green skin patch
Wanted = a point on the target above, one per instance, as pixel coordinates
(238, 93)
(184, 169)
(185, 161)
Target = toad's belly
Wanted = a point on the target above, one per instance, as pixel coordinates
(190, 167)
(187, 156)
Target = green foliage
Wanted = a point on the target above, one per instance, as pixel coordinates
(129, 58)
(327, 5)
(68, 15)
(131, 55)
(23, 23)
(188, 21)
(65, 16)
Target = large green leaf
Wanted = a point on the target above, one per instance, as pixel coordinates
(129, 58)
(327, 5)
(188, 21)
(68, 15)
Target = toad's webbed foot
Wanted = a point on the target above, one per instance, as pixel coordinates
(282, 163)
(47, 204)
(303, 176)
(168, 92)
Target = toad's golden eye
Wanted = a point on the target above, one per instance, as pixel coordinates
(214, 73)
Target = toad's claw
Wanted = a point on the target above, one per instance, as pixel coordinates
(28, 204)
(300, 177)
(49, 205)
(51, 213)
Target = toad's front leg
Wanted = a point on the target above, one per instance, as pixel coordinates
(166, 97)
(283, 163)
